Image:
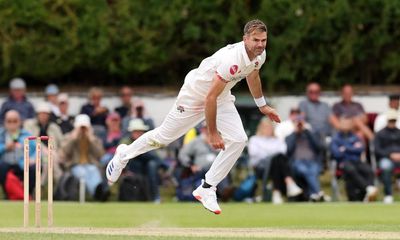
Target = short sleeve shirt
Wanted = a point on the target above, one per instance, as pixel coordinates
(352, 109)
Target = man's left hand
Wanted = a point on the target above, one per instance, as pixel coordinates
(271, 113)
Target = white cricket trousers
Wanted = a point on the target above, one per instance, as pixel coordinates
(178, 122)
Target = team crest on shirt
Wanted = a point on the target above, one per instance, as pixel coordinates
(233, 69)
(256, 64)
(180, 108)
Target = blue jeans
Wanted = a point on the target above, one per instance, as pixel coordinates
(90, 173)
(387, 166)
(309, 171)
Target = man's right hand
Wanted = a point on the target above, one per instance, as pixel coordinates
(216, 141)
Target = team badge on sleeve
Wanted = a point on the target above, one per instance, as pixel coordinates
(233, 69)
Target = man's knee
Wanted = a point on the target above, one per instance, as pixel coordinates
(386, 165)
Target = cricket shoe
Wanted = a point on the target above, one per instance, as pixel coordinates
(115, 166)
(207, 197)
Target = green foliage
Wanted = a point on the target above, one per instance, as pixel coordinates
(157, 41)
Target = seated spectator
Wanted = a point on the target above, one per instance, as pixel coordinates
(381, 120)
(51, 93)
(347, 108)
(94, 109)
(267, 157)
(302, 150)
(17, 101)
(316, 112)
(138, 111)
(81, 152)
(65, 121)
(114, 135)
(287, 127)
(42, 126)
(125, 94)
(387, 149)
(346, 148)
(146, 164)
(12, 149)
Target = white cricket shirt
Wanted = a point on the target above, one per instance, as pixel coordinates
(231, 63)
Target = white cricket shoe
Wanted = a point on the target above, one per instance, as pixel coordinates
(388, 199)
(208, 197)
(277, 197)
(293, 190)
(115, 166)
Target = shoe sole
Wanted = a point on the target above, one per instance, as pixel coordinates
(201, 201)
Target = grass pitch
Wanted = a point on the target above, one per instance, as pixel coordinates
(191, 221)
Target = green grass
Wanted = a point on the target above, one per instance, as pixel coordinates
(333, 216)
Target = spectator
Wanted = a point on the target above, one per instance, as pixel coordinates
(42, 126)
(81, 153)
(316, 112)
(381, 120)
(349, 109)
(146, 164)
(17, 101)
(114, 135)
(387, 149)
(287, 127)
(125, 94)
(94, 109)
(64, 120)
(51, 93)
(138, 111)
(303, 149)
(267, 157)
(12, 151)
(346, 148)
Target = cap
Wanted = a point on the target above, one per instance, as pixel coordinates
(17, 83)
(113, 115)
(62, 97)
(51, 89)
(43, 107)
(392, 115)
(82, 120)
(137, 125)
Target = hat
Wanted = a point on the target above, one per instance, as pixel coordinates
(43, 107)
(62, 97)
(82, 120)
(17, 83)
(113, 115)
(392, 115)
(137, 125)
(51, 89)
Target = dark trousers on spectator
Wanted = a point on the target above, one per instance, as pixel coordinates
(275, 168)
(358, 175)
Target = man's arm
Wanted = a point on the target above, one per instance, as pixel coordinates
(216, 89)
(254, 83)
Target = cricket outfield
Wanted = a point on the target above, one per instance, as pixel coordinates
(190, 221)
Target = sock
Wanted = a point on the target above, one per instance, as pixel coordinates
(206, 185)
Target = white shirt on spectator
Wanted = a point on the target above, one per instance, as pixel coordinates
(261, 147)
(381, 122)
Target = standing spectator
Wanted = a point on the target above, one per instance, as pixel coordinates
(17, 101)
(316, 112)
(387, 149)
(146, 164)
(51, 93)
(303, 149)
(94, 109)
(267, 157)
(138, 111)
(113, 137)
(81, 153)
(42, 126)
(287, 127)
(12, 151)
(381, 120)
(347, 108)
(346, 148)
(64, 120)
(126, 95)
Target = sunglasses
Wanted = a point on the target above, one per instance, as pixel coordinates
(12, 121)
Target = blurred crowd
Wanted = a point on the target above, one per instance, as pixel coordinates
(282, 162)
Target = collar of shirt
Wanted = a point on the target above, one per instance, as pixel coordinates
(245, 56)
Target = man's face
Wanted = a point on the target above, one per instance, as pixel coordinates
(255, 42)
(17, 93)
(313, 92)
(347, 93)
(96, 99)
(126, 95)
(394, 104)
(12, 123)
(43, 117)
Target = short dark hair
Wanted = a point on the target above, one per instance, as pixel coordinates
(394, 97)
(254, 25)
